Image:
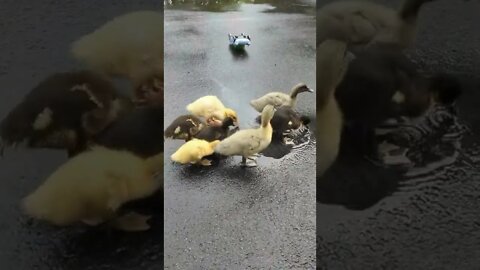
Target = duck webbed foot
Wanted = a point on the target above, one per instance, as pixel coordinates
(131, 222)
(205, 162)
(249, 161)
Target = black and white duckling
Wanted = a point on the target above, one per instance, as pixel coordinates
(130, 46)
(184, 127)
(212, 133)
(64, 111)
(139, 132)
(212, 109)
(249, 142)
(366, 23)
(194, 151)
(332, 63)
(92, 186)
(278, 99)
(284, 120)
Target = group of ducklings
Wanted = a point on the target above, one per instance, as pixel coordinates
(114, 142)
(364, 77)
(207, 129)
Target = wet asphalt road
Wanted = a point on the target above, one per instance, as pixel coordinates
(35, 40)
(225, 216)
(430, 221)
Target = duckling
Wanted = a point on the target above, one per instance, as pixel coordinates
(278, 99)
(92, 186)
(63, 111)
(212, 109)
(284, 120)
(249, 142)
(139, 132)
(365, 23)
(194, 151)
(332, 63)
(130, 46)
(184, 127)
(212, 133)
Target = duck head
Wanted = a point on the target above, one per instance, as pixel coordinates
(232, 114)
(300, 88)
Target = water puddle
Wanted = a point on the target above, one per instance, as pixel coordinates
(269, 6)
(293, 141)
(416, 154)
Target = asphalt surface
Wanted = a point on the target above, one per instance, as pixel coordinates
(35, 42)
(376, 219)
(225, 216)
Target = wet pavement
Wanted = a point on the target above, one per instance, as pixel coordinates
(225, 216)
(35, 41)
(428, 218)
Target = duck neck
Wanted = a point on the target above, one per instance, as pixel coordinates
(266, 126)
(293, 96)
(324, 97)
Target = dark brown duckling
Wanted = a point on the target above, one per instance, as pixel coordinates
(63, 111)
(383, 83)
(213, 133)
(184, 127)
(285, 119)
(138, 132)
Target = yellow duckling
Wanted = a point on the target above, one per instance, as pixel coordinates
(194, 151)
(212, 109)
(93, 185)
(249, 142)
(131, 46)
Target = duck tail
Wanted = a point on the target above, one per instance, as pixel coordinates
(410, 8)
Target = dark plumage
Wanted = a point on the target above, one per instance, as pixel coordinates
(212, 133)
(381, 83)
(63, 111)
(139, 132)
(184, 127)
(447, 88)
(284, 119)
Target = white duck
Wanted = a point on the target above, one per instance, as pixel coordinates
(366, 23)
(278, 99)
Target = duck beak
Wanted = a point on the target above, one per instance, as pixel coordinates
(310, 90)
